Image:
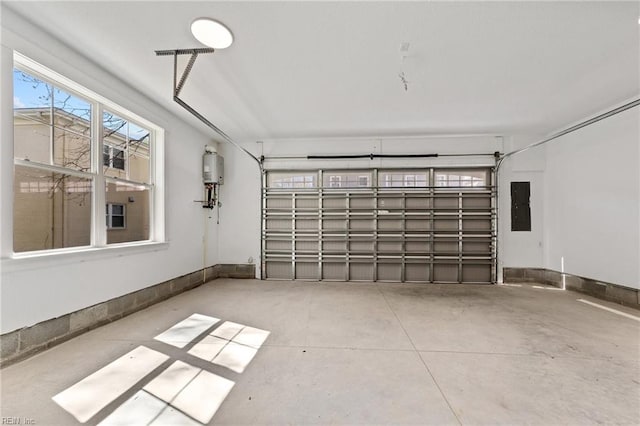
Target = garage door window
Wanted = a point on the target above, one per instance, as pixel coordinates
(461, 178)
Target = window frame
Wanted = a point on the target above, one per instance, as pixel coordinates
(96, 175)
(110, 215)
(111, 157)
(442, 179)
(335, 181)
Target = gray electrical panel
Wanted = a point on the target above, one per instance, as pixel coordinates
(520, 206)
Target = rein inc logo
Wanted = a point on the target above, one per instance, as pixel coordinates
(176, 391)
(17, 421)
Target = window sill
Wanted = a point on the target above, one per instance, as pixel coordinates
(38, 260)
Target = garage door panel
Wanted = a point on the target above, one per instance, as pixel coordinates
(418, 203)
(334, 246)
(278, 245)
(388, 223)
(446, 203)
(282, 270)
(401, 231)
(476, 247)
(334, 224)
(481, 203)
(306, 223)
(279, 203)
(446, 247)
(445, 272)
(278, 224)
(363, 203)
(476, 273)
(446, 225)
(361, 246)
(417, 272)
(307, 270)
(389, 272)
(480, 224)
(361, 271)
(306, 203)
(309, 245)
(417, 246)
(385, 203)
(334, 271)
(389, 246)
(362, 224)
(334, 202)
(418, 224)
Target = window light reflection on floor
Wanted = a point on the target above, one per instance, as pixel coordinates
(231, 345)
(182, 393)
(181, 334)
(91, 394)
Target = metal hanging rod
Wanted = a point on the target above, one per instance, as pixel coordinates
(179, 84)
(571, 129)
(372, 156)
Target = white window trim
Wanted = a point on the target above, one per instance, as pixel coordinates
(156, 172)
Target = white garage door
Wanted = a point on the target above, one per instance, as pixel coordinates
(419, 225)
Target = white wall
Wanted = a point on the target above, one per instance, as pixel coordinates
(592, 187)
(34, 290)
(239, 237)
(240, 214)
(521, 248)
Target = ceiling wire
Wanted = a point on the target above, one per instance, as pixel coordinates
(404, 51)
(403, 79)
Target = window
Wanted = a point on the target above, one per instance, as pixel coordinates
(116, 216)
(346, 179)
(60, 176)
(291, 180)
(403, 179)
(112, 157)
(461, 178)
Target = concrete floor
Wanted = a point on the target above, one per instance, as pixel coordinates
(362, 353)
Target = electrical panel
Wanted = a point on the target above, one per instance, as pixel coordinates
(520, 206)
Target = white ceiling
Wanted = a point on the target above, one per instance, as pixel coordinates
(320, 69)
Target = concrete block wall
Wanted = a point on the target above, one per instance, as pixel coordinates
(24, 342)
(607, 291)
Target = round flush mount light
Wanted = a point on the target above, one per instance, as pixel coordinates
(211, 33)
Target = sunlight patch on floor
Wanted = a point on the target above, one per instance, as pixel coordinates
(183, 333)
(230, 345)
(91, 394)
(181, 394)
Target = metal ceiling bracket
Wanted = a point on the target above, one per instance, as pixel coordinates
(179, 84)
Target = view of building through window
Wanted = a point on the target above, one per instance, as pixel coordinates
(56, 169)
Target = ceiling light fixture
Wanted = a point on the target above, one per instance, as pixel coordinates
(211, 33)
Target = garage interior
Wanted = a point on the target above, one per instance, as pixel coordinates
(346, 213)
